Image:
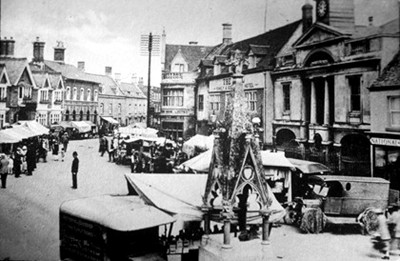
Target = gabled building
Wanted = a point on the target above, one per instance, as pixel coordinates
(321, 99)
(385, 124)
(135, 105)
(178, 83)
(215, 80)
(18, 101)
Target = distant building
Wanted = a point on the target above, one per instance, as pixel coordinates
(155, 102)
(385, 124)
(135, 104)
(178, 89)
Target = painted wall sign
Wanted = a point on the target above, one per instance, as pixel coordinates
(386, 142)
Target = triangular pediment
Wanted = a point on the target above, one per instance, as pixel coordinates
(319, 33)
(4, 77)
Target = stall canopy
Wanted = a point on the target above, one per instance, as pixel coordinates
(309, 167)
(66, 124)
(198, 142)
(81, 126)
(110, 120)
(180, 194)
(20, 132)
(138, 131)
(198, 164)
(7, 138)
(34, 126)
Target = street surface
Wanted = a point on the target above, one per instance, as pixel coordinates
(29, 223)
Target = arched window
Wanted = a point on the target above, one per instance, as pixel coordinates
(88, 95)
(101, 108)
(95, 116)
(74, 115)
(68, 93)
(88, 115)
(81, 115)
(67, 115)
(95, 95)
(82, 94)
(74, 93)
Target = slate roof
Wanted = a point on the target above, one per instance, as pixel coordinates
(109, 86)
(70, 71)
(192, 54)
(390, 75)
(54, 80)
(259, 50)
(391, 27)
(131, 89)
(15, 67)
(39, 78)
(206, 62)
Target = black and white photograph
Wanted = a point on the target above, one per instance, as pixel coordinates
(199, 130)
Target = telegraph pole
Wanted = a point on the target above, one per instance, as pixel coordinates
(148, 81)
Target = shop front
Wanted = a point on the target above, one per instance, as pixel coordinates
(385, 149)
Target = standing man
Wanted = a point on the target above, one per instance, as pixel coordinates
(3, 170)
(74, 170)
(65, 141)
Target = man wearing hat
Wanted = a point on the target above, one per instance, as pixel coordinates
(3, 170)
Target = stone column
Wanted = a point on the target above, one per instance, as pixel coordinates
(326, 102)
(313, 116)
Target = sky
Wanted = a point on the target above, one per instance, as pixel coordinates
(107, 32)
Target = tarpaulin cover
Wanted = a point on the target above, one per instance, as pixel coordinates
(20, 132)
(181, 194)
(199, 142)
(81, 126)
(200, 163)
(35, 127)
(138, 131)
(309, 167)
(275, 159)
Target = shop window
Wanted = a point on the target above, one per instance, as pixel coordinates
(173, 98)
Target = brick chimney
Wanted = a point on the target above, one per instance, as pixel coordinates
(7, 47)
(108, 71)
(38, 50)
(81, 66)
(307, 17)
(59, 52)
(227, 33)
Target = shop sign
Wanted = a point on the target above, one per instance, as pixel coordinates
(386, 142)
(220, 88)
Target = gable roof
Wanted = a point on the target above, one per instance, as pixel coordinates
(70, 72)
(389, 28)
(16, 68)
(191, 53)
(332, 33)
(40, 79)
(132, 90)
(4, 75)
(270, 44)
(109, 86)
(390, 75)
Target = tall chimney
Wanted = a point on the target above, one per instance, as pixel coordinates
(38, 50)
(59, 52)
(7, 47)
(108, 71)
(307, 17)
(81, 66)
(227, 33)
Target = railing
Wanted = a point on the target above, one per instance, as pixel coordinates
(172, 76)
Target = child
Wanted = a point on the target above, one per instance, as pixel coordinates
(62, 154)
(395, 220)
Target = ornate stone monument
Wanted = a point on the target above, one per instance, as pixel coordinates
(236, 191)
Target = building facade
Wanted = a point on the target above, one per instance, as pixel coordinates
(321, 98)
(178, 83)
(385, 124)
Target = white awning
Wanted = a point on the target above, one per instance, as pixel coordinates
(110, 120)
(81, 126)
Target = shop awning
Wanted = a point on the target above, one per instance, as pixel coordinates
(110, 120)
(19, 132)
(6, 138)
(90, 123)
(66, 124)
(275, 159)
(81, 126)
(34, 126)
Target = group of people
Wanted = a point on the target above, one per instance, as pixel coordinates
(23, 157)
(148, 159)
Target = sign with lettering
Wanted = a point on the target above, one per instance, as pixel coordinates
(386, 142)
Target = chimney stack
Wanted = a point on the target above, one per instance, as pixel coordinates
(117, 77)
(227, 33)
(307, 17)
(108, 71)
(59, 52)
(38, 50)
(81, 66)
(193, 43)
(7, 47)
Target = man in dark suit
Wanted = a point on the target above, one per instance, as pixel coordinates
(74, 170)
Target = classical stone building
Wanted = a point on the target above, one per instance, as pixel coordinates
(321, 97)
(178, 82)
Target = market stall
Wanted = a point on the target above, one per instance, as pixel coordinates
(34, 126)
(197, 144)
